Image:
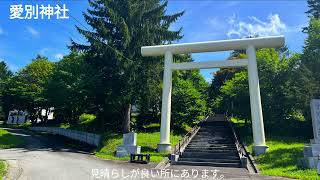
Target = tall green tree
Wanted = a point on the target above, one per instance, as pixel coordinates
(314, 8)
(67, 88)
(25, 90)
(119, 30)
(188, 95)
(308, 66)
(188, 98)
(5, 74)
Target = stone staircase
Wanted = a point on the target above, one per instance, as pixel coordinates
(213, 145)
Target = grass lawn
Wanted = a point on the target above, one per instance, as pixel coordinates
(147, 140)
(16, 126)
(8, 140)
(3, 169)
(282, 157)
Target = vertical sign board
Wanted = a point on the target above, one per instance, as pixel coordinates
(315, 114)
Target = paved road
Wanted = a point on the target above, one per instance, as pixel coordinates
(47, 157)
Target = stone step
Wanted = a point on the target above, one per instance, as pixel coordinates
(211, 160)
(222, 134)
(209, 155)
(214, 128)
(195, 146)
(213, 145)
(211, 148)
(217, 157)
(210, 151)
(199, 145)
(211, 140)
(204, 143)
(213, 136)
(213, 164)
(226, 133)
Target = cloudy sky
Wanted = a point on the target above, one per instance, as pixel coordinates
(22, 39)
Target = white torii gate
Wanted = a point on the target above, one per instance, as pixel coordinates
(248, 44)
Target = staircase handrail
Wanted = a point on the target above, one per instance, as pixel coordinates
(238, 146)
(242, 151)
(187, 138)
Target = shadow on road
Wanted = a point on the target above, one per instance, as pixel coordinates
(48, 142)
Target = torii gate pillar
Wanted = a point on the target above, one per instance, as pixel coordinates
(164, 145)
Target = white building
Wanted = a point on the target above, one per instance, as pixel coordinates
(17, 117)
(20, 117)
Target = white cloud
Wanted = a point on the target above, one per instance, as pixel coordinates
(43, 51)
(273, 26)
(232, 3)
(214, 21)
(232, 19)
(58, 56)
(32, 31)
(13, 67)
(1, 31)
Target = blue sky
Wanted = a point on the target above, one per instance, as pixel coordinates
(22, 40)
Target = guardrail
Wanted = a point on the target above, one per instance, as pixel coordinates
(89, 138)
(242, 151)
(186, 139)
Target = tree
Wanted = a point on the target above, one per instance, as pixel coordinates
(67, 88)
(119, 29)
(25, 90)
(150, 102)
(278, 100)
(308, 66)
(188, 98)
(220, 77)
(5, 74)
(314, 8)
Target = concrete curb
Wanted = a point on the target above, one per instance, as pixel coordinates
(255, 169)
(163, 164)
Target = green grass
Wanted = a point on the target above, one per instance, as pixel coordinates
(147, 140)
(17, 126)
(8, 140)
(282, 156)
(3, 169)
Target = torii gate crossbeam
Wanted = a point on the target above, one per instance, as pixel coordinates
(249, 44)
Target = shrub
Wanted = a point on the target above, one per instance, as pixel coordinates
(86, 118)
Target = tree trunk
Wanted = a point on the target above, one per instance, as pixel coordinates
(126, 119)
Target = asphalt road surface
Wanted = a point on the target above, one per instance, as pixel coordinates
(49, 157)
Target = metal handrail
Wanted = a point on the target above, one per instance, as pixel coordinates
(242, 151)
(186, 138)
(237, 142)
